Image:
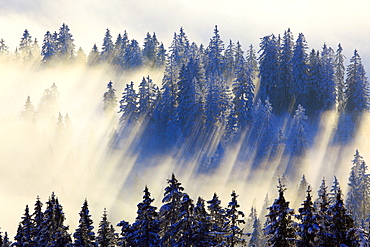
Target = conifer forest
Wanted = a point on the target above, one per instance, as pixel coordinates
(184, 144)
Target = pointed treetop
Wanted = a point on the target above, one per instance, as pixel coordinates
(281, 186)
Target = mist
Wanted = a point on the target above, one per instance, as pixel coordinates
(37, 158)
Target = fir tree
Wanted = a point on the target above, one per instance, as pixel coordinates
(132, 58)
(150, 50)
(299, 141)
(300, 71)
(179, 48)
(60, 235)
(308, 226)
(29, 111)
(6, 241)
(251, 60)
(328, 87)
(93, 57)
(25, 46)
(81, 56)
(52, 230)
(65, 44)
(25, 231)
(334, 190)
(49, 102)
(49, 47)
(286, 68)
(279, 229)
(316, 79)
(126, 234)
(234, 234)
(161, 56)
(146, 98)
(342, 224)
(323, 215)
(202, 226)
(37, 218)
(189, 105)
(302, 189)
(107, 51)
(243, 89)
(84, 234)
(269, 68)
(339, 71)
(229, 62)
(358, 195)
(357, 96)
(170, 210)
(105, 236)
(145, 230)
(217, 104)
(182, 231)
(121, 47)
(109, 98)
(128, 105)
(218, 219)
(215, 59)
(4, 49)
(256, 236)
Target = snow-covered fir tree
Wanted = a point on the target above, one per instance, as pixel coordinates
(145, 230)
(300, 71)
(229, 61)
(308, 225)
(107, 50)
(84, 234)
(342, 225)
(339, 73)
(269, 69)
(286, 67)
(24, 236)
(170, 211)
(132, 58)
(150, 50)
(110, 99)
(243, 90)
(218, 219)
(357, 95)
(298, 138)
(25, 46)
(234, 235)
(106, 236)
(189, 106)
(358, 191)
(128, 105)
(65, 45)
(93, 57)
(202, 235)
(53, 232)
(279, 229)
(49, 47)
(215, 58)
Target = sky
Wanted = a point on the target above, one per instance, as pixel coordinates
(246, 21)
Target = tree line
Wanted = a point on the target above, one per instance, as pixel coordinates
(218, 95)
(327, 220)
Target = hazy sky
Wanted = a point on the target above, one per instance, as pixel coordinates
(327, 21)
